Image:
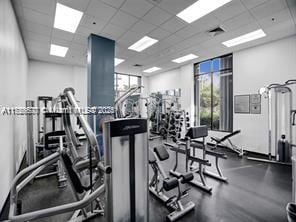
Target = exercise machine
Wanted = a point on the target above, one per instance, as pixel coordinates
(87, 202)
(189, 146)
(281, 120)
(197, 132)
(221, 141)
(126, 151)
(174, 203)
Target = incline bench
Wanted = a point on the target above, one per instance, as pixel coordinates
(233, 147)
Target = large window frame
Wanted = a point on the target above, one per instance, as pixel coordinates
(117, 89)
(197, 93)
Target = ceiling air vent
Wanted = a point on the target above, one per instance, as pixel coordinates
(216, 31)
(138, 65)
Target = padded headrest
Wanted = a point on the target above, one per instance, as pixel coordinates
(161, 153)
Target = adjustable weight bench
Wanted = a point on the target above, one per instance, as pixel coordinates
(231, 146)
(174, 203)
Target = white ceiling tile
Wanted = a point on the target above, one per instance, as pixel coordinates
(36, 37)
(159, 34)
(114, 3)
(31, 44)
(137, 8)
(142, 28)
(269, 8)
(37, 17)
(192, 41)
(187, 31)
(84, 31)
(158, 47)
(280, 27)
(129, 38)
(57, 33)
(172, 40)
(80, 5)
(123, 19)
(43, 6)
(93, 23)
(100, 10)
(206, 23)
(238, 21)
(80, 39)
(276, 18)
(60, 42)
(253, 3)
(78, 47)
(229, 10)
(113, 31)
(175, 6)
(173, 25)
(34, 27)
(156, 16)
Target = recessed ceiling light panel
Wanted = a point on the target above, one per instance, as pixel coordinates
(118, 61)
(200, 9)
(67, 18)
(185, 58)
(143, 43)
(245, 38)
(153, 69)
(57, 50)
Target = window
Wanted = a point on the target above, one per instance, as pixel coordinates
(214, 93)
(122, 82)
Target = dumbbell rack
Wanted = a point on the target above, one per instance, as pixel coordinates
(172, 119)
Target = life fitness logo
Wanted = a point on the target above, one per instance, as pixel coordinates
(131, 127)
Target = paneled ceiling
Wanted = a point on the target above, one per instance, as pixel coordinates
(127, 21)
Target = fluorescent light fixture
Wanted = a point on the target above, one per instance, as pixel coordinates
(245, 38)
(67, 18)
(57, 50)
(143, 43)
(118, 61)
(185, 58)
(200, 9)
(153, 69)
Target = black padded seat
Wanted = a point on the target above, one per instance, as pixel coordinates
(170, 183)
(161, 153)
(152, 158)
(187, 177)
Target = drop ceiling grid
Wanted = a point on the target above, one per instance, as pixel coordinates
(144, 23)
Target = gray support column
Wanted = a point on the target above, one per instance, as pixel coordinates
(100, 69)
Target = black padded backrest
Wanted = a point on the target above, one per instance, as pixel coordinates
(72, 174)
(152, 158)
(197, 132)
(161, 153)
(49, 140)
(230, 135)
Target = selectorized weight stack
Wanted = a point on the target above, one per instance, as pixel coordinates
(126, 151)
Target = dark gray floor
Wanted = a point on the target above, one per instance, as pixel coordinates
(256, 192)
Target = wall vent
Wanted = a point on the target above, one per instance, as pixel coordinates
(138, 65)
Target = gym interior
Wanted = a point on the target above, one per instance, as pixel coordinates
(148, 110)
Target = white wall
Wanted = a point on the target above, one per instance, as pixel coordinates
(50, 79)
(13, 92)
(252, 68)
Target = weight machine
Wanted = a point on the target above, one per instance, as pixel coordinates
(281, 120)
